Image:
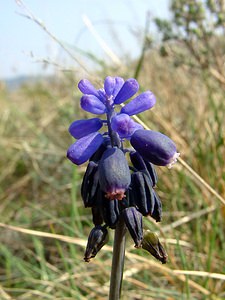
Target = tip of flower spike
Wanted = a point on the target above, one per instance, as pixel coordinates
(173, 160)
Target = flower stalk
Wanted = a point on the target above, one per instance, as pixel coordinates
(116, 278)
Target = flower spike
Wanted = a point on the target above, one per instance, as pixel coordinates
(118, 190)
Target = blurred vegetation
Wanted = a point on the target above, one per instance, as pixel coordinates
(40, 189)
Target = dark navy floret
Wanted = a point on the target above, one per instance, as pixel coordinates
(96, 240)
(111, 212)
(90, 184)
(157, 211)
(133, 221)
(142, 192)
(114, 173)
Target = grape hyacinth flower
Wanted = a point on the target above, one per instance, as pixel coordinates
(119, 183)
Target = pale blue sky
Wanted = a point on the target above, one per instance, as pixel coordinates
(115, 21)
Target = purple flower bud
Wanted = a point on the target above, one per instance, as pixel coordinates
(124, 125)
(92, 104)
(84, 148)
(139, 104)
(109, 85)
(97, 239)
(152, 244)
(129, 88)
(155, 147)
(133, 220)
(114, 174)
(87, 88)
(80, 128)
(118, 85)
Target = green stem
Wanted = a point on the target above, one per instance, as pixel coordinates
(117, 261)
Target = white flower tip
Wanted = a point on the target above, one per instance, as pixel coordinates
(173, 160)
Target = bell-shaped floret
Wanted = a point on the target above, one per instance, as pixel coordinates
(142, 192)
(133, 220)
(152, 172)
(92, 104)
(87, 88)
(89, 186)
(124, 125)
(98, 237)
(152, 244)
(80, 128)
(140, 164)
(84, 148)
(157, 211)
(129, 88)
(137, 161)
(139, 104)
(97, 216)
(155, 147)
(98, 207)
(114, 173)
(111, 212)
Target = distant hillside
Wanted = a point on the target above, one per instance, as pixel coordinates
(14, 83)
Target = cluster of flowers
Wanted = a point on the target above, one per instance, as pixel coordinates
(119, 182)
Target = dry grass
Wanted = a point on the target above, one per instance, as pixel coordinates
(44, 226)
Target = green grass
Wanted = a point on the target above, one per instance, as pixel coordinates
(40, 191)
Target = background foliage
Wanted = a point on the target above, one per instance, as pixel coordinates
(44, 226)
